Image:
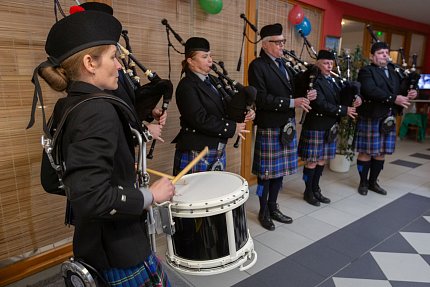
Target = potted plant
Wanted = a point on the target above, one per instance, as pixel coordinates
(345, 154)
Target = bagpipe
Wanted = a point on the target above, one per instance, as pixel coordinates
(409, 77)
(149, 95)
(412, 77)
(240, 99)
(306, 74)
(311, 74)
(350, 89)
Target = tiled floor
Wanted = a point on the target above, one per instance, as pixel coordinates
(324, 239)
(407, 171)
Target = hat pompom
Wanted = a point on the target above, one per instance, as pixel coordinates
(75, 9)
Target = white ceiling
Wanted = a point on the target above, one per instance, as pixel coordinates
(415, 10)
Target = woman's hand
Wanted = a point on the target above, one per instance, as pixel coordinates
(162, 190)
(357, 102)
(250, 115)
(240, 130)
(159, 116)
(155, 130)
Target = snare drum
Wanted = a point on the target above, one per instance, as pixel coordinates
(211, 235)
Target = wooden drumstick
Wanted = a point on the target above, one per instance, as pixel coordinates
(159, 173)
(191, 164)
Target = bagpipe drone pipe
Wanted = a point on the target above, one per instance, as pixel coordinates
(411, 75)
(149, 95)
(239, 99)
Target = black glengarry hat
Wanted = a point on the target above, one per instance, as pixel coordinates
(271, 30)
(196, 44)
(80, 31)
(378, 46)
(326, 55)
(97, 6)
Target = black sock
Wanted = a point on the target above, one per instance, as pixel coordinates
(375, 168)
(308, 177)
(263, 191)
(275, 187)
(316, 181)
(363, 169)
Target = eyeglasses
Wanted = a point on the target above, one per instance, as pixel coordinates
(278, 42)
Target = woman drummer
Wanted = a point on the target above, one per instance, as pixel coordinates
(203, 118)
(98, 156)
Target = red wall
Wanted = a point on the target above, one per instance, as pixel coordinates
(335, 10)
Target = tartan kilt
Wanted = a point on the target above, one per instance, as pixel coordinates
(369, 140)
(146, 274)
(271, 158)
(313, 147)
(183, 158)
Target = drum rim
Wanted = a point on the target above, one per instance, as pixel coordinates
(220, 204)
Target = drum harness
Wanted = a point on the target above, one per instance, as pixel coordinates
(75, 271)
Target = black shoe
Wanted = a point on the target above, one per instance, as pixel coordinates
(266, 222)
(279, 216)
(320, 197)
(376, 188)
(362, 188)
(310, 198)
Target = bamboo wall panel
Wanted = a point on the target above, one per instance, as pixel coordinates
(31, 220)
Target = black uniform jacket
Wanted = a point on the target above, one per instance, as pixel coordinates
(274, 92)
(326, 108)
(378, 92)
(203, 118)
(97, 148)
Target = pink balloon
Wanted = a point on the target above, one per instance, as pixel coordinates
(296, 15)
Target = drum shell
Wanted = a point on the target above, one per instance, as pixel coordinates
(201, 222)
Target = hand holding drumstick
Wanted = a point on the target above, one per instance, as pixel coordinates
(163, 189)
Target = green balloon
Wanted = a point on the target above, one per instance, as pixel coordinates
(211, 6)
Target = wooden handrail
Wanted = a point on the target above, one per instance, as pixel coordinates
(35, 264)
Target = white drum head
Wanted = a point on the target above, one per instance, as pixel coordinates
(213, 191)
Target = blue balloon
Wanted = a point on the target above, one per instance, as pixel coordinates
(305, 27)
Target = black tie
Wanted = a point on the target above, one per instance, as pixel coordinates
(332, 82)
(209, 84)
(387, 74)
(282, 67)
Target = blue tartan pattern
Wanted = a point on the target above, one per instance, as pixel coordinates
(369, 140)
(183, 158)
(313, 147)
(271, 158)
(146, 274)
